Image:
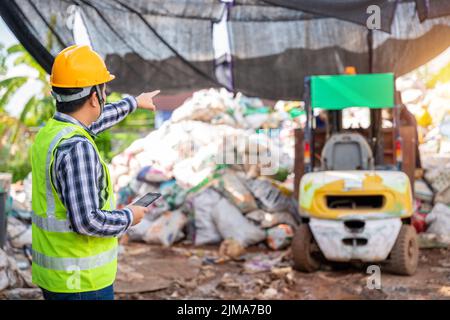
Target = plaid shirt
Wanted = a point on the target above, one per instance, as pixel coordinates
(78, 176)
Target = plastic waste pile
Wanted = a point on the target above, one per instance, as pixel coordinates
(224, 166)
(15, 253)
(431, 107)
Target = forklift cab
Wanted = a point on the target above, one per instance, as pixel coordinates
(334, 147)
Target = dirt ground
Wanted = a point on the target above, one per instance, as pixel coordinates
(185, 272)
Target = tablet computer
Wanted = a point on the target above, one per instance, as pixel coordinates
(147, 200)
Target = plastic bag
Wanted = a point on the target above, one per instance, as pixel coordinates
(267, 219)
(231, 224)
(157, 208)
(236, 191)
(438, 220)
(205, 230)
(125, 196)
(272, 196)
(443, 196)
(137, 232)
(280, 236)
(173, 194)
(422, 192)
(167, 229)
(150, 175)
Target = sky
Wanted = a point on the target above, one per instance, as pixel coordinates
(7, 38)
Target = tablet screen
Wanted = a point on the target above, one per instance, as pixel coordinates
(146, 200)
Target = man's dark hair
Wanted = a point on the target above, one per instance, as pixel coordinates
(72, 106)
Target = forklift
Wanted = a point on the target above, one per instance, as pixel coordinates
(354, 185)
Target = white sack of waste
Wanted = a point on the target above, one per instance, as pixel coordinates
(438, 220)
(205, 230)
(236, 191)
(271, 197)
(204, 105)
(167, 229)
(443, 196)
(137, 232)
(233, 225)
(186, 175)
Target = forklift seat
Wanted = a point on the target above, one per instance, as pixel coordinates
(347, 151)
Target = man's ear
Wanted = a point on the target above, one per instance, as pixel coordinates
(94, 100)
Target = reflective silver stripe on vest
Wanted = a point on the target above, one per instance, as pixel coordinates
(111, 202)
(70, 264)
(51, 224)
(49, 192)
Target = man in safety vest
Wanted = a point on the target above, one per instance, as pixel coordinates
(75, 223)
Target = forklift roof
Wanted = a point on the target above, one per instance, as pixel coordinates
(336, 92)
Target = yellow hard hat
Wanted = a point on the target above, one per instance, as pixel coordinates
(78, 67)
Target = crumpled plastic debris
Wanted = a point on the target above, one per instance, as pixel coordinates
(19, 233)
(230, 248)
(272, 196)
(279, 237)
(10, 275)
(438, 220)
(263, 262)
(269, 219)
(422, 191)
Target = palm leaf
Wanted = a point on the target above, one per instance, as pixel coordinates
(15, 48)
(29, 106)
(11, 85)
(9, 81)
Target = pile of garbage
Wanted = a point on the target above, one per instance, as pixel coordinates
(15, 280)
(15, 253)
(201, 162)
(432, 201)
(431, 106)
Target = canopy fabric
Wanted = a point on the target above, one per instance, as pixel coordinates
(168, 44)
(37, 25)
(348, 10)
(155, 44)
(146, 44)
(273, 62)
(428, 9)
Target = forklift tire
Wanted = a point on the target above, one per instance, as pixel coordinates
(404, 256)
(302, 246)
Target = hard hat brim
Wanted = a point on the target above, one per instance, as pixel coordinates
(60, 85)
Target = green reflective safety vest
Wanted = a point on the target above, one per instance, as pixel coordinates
(63, 260)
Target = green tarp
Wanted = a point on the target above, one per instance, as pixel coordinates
(336, 92)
